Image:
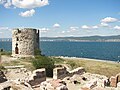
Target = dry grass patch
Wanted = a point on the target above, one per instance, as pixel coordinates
(98, 67)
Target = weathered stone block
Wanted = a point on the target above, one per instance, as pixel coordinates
(37, 77)
(113, 81)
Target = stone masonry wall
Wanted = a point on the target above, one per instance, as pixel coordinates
(24, 42)
(37, 77)
(61, 72)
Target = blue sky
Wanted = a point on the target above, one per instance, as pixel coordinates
(59, 18)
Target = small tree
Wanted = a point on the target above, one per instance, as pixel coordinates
(44, 62)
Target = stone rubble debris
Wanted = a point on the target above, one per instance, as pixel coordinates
(63, 79)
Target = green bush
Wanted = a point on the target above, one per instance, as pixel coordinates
(37, 52)
(57, 60)
(44, 62)
(2, 67)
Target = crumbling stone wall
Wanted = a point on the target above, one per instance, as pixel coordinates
(53, 85)
(79, 70)
(61, 72)
(37, 77)
(114, 80)
(24, 42)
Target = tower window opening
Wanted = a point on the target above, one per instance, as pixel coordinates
(17, 39)
(16, 49)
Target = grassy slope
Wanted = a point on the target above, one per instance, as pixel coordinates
(97, 67)
(27, 62)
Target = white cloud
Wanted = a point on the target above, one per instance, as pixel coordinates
(117, 27)
(4, 28)
(30, 3)
(25, 4)
(63, 32)
(27, 13)
(56, 25)
(95, 27)
(85, 27)
(7, 5)
(44, 30)
(74, 28)
(2, 1)
(104, 25)
(89, 27)
(109, 20)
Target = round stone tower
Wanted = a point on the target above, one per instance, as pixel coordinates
(24, 42)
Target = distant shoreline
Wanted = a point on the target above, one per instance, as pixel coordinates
(113, 38)
(88, 59)
(64, 41)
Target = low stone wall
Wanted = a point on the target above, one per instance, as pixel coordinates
(37, 77)
(79, 70)
(61, 72)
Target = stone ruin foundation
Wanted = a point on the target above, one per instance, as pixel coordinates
(62, 72)
(37, 77)
(114, 80)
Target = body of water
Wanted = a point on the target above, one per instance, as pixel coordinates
(93, 50)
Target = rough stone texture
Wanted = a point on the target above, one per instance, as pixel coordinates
(91, 84)
(59, 73)
(37, 77)
(53, 85)
(24, 42)
(15, 85)
(2, 77)
(62, 72)
(113, 82)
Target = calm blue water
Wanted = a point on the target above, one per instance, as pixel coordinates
(94, 50)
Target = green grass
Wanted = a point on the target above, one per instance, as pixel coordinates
(57, 60)
(27, 62)
(97, 67)
(6, 53)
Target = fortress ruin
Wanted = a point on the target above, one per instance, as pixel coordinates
(24, 42)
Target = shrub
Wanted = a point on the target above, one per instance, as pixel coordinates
(58, 60)
(2, 67)
(44, 62)
(37, 52)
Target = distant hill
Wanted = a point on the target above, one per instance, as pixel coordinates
(89, 38)
(79, 39)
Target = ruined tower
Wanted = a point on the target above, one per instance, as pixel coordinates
(24, 42)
